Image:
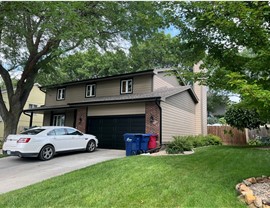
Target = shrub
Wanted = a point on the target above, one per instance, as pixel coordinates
(261, 141)
(213, 140)
(254, 142)
(186, 143)
(179, 145)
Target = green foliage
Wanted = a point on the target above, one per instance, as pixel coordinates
(261, 141)
(216, 99)
(232, 40)
(156, 51)
(241, 118)
(187, 143)
(179, 145)
(200, 141)
(254, 142)
(212, 120)
(85, 65)
(35, 34)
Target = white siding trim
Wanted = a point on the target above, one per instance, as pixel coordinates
(117, 109)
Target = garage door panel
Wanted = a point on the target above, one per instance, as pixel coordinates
(110, 130)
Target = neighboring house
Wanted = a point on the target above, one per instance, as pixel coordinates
(36, 99)
(140, 102)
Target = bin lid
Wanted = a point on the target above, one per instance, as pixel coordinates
(133, 134)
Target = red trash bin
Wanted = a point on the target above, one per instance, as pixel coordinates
(152, 144)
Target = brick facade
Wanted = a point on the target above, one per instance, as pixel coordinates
(81, 119)
(152, 118)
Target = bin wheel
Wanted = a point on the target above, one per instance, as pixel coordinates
(133, 152)
(140, 152)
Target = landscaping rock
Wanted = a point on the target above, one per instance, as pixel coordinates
(249, 198)
(251, 180)
(255, 192)
(247, 183)
(258, 202)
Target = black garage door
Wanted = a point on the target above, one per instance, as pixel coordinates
(110, 129)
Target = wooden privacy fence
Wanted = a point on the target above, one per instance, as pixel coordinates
(229, 135)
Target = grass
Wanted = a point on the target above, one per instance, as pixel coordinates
(204, 179)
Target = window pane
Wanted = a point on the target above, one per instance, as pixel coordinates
(124, 84)
(60, 131)
(130, 86)
(93, 90)
(61, 94)
(32, 131)
(90, 90)
(59, 120)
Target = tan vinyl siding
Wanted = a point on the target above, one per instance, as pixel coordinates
(142, 84)
(76, 93)
(166, 77)
(69, 119)
(51, 98)
(183, 101)
(108, 88)
(175, 122)
(47, 119)
(201, 107)
(160, 83)
(117, 109)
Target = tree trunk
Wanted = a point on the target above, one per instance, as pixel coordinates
(11, 123)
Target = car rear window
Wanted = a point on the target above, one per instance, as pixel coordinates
(32, 131)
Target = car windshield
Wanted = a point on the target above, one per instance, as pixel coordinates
(32, 131)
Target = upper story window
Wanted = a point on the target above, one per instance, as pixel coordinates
(90, 90)
(31, 106)
(126, 86)
(61, 93)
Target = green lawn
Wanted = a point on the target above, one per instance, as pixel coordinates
(204, 179)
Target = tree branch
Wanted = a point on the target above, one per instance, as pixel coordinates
(7, 80)
(29, 35)
(3, 108)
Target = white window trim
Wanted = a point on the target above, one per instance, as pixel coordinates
(89, 88)
(61, 93)
(126, 90)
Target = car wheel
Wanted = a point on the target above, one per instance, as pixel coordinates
(91, 146)
(46, 153)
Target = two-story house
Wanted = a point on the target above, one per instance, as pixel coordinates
(148, 101)
(36, 99)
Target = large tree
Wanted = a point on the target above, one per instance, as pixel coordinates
(33, 34)
(233, 41)
(84, 65)
(156, 51)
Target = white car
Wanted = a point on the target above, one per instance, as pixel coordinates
(43, 142)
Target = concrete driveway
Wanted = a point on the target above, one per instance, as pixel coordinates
(17, 172)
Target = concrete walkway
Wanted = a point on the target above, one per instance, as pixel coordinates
(20, 172)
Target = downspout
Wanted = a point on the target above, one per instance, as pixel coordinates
(160, 122)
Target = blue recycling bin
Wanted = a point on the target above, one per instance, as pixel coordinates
(132, 142)
(144, 142)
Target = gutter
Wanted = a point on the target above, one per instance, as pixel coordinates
(160, 124)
